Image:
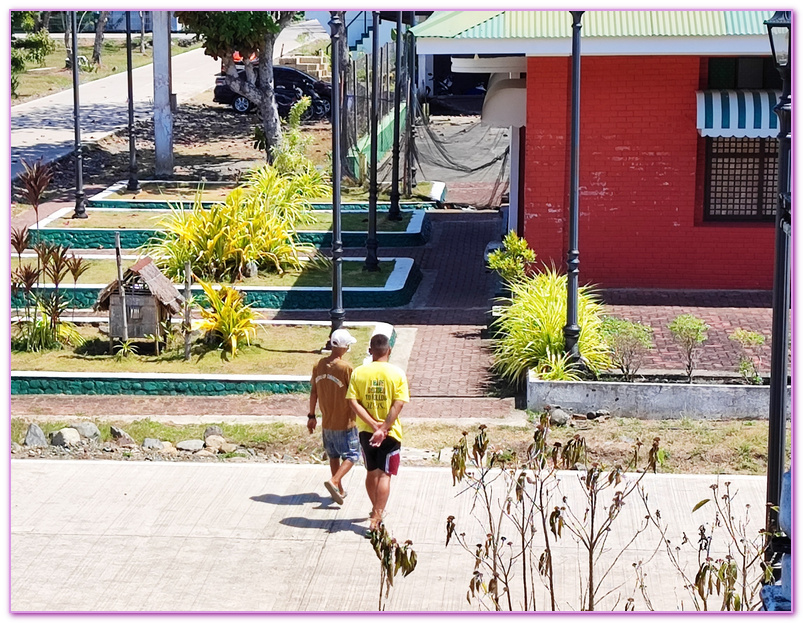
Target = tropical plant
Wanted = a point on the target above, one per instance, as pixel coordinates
(42, 333)
(530, 328)
(19, 241)
(749, 359)
(124, 349)
(227, 319)
(514, 261)
(393, 558)
(35, 179)
(629, 342)
(689, 332)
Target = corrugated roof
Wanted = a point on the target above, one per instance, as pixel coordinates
(557, 24)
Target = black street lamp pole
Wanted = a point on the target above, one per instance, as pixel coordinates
(337, 314)
(394, 213)
(133, 184)
(780, 26)
(371, 260)
(412, 103)
(571, 332)
(80, 208)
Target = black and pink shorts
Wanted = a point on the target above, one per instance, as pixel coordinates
(385, 457)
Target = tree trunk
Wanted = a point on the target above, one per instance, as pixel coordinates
(100, 27)
(65, 22)
(43, 21)
(267, 104)
(142, 32)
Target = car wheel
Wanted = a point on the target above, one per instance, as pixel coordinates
(319, 110)
(241, 104)
(327, 106)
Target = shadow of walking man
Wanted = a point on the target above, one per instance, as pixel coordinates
(325, 503)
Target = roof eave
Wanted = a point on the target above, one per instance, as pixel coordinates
(734, 45)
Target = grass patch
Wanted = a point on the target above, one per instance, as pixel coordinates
(105, 271)
(151, 219)
(682, 446)
(420, 192)
(150, 191)
(277, 349)
(53, 77)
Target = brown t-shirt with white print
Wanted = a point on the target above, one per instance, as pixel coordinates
(331, 380)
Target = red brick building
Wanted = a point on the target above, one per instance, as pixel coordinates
(678, 160)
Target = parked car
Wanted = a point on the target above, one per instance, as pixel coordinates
(289, 84)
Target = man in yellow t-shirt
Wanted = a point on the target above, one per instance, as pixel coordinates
(377, 392)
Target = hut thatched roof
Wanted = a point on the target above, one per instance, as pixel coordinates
(145, 271)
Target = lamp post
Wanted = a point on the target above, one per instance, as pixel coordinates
(571, 332)
(394, 213)
(337, 313)
(133, 184)
(780, 31)
(80, 208)
(371, 245)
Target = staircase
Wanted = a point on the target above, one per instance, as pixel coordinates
(316, 66)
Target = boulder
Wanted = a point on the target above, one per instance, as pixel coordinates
(559, 417)
(116, 433)
(213, 442)
(213, 430)
(87, 430)
(226, 447)
(203, 452)
(152, 444)
(190, 445)
(66, 437)
(15, 447)
(35, 436)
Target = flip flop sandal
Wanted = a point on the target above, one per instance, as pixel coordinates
(333, 492)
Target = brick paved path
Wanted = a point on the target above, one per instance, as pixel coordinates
(448, 366)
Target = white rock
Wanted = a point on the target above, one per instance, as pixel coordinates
(190, 445)
(213, 442)
(203, 452)
(66, 437)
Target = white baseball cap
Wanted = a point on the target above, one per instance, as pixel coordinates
(342, 338)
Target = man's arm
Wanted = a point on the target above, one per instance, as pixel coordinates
(313, 401)
(363, 414)
(381, 433)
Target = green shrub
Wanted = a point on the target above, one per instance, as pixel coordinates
(513, 260)
(228, 318)
(749, 360)
(530, 329)
(628, 342)
(689, 332)
(256, 223)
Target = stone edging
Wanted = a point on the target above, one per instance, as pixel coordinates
(397, 292)
(655, 401)
(417, 233)
(103, 200)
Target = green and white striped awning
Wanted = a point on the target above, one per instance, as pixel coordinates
(737, 113)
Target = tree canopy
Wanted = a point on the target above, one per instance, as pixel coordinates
(251, 33)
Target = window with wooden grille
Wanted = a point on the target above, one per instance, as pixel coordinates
(741, 179)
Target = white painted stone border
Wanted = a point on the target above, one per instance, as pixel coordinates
(654, 401)
(395, 281)
(413, 227)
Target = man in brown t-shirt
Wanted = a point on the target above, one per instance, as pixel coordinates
(330, 380)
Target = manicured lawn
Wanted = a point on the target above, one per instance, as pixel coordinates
(105, 271)
(53, 77)
(150, 219)
(276, 349)
(175, 192)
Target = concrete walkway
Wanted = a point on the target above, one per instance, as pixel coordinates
(152, 536)
(44, 128)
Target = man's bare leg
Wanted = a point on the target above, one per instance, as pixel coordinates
(378, 485)
(339, 470)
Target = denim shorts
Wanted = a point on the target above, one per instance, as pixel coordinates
(342, 444)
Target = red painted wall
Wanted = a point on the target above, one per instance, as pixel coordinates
(641, 179)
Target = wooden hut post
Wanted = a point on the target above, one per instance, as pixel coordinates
(187, 318)
(120, 286)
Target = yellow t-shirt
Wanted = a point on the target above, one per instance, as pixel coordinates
(377, 385)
